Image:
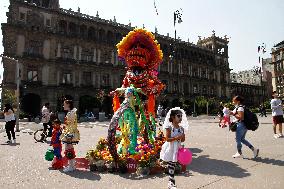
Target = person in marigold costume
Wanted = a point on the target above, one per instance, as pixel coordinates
(56, 144)
(70, 135)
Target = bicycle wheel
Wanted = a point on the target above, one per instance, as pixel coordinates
(40, 136)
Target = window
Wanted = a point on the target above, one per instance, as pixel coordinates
(105, 80)
(204, 90)
(195, 89)
(175, 86)
(277, 57)
(87, 78)
(32, 75)
(66, 78)
(48, 23)
(22, 16)
(66, 53)
(86, 57)
(35, 48)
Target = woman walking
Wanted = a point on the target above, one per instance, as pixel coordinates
(10, 122)
(241, 131)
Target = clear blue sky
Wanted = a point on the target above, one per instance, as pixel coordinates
(248, 23)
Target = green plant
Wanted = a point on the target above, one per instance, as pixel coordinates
(9, 97)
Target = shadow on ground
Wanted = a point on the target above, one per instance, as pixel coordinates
(269, 161)
(82, 174)
(205, 165)
(11, 144)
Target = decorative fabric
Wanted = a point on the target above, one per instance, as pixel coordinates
(70, 134)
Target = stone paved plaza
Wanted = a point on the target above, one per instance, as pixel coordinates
(23, 165)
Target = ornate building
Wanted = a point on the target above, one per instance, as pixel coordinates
(67, 53)
(277, 56)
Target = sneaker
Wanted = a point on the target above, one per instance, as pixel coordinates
(68, 169)
(275, 136)
(172, 185)
(71, 166)
(238, 155)
(9, 141)
(255, 153)
(280, 135)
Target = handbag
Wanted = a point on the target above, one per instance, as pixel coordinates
(233, 126)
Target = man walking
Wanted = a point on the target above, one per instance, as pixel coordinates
(277, 114)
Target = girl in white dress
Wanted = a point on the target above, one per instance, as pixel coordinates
(175, 124)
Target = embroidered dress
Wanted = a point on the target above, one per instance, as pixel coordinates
(169, 149)
(70, 134)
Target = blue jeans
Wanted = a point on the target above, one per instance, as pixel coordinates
(240, 137)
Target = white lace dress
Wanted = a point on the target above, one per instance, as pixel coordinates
(169, 149)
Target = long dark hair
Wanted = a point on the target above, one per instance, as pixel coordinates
(239, 98)
(173, 114)
(8, 107)
(70, 102)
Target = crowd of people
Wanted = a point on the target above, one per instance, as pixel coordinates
(173, 122)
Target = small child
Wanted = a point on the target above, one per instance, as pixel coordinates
(175, 124)
(56, 144)
(226, 118)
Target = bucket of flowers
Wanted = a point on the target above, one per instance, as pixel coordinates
(97, 156)
(143, 168)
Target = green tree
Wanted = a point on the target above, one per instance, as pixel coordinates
(9, 97)
(201, 103)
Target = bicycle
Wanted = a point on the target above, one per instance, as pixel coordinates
(40, 135)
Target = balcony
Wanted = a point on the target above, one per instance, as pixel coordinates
(32, 55)
(31, 83)
(66, 85)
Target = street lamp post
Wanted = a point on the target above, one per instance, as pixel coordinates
(257, 71)
(17, 90)
(177, 18)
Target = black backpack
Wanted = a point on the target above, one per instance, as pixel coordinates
(250, 119)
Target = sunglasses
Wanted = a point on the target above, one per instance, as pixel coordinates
(179, 115)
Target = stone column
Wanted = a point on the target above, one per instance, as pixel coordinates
(94, 57)
(80, 53)
(58, 50)
(75, 53)
(46, 49)
(99, 56)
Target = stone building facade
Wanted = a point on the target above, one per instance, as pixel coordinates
(277, 56)
(67, 53)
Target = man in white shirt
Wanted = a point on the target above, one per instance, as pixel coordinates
(45, 112)
(277, 114)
